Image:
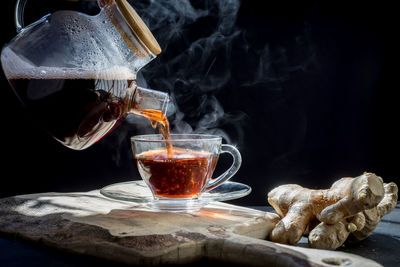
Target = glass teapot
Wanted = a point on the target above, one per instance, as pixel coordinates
(76, 74)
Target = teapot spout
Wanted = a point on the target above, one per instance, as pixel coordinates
(144, 100)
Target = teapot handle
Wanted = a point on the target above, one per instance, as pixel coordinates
(20, 6)
(19, 15)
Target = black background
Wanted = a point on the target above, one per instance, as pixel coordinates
(325, 107)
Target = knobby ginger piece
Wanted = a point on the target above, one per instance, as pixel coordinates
(355, 228)
(299, 206)
(373, 216)
(332, 236)
(366, 191)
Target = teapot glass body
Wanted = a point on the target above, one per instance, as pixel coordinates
(76, 74)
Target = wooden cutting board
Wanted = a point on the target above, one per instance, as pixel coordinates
(91, 224)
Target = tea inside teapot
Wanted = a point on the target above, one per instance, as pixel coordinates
(75, 108)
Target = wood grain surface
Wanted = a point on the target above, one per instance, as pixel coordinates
(88, 223)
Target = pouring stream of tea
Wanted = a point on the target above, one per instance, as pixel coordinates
(158, 119)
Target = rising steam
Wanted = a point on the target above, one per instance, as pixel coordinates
(207, 57)
(196, 38)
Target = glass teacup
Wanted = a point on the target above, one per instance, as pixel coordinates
(177, 178)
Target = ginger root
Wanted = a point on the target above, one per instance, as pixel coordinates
(355, 228)
(351, 205)
(373, 216)
(332, 236)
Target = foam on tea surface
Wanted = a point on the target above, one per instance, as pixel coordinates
(177, 153)
(45, 81)
(16, 67)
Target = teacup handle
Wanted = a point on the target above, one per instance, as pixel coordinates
(237, 161)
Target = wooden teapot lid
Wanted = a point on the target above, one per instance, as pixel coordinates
(139, 26)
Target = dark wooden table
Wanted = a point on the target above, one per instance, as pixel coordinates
(382, 246)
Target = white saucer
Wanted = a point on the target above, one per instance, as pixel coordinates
(138, 192)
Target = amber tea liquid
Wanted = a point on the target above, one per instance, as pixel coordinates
(182, 175)
(158, 119)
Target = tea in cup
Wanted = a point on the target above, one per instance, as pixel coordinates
(178, 179)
